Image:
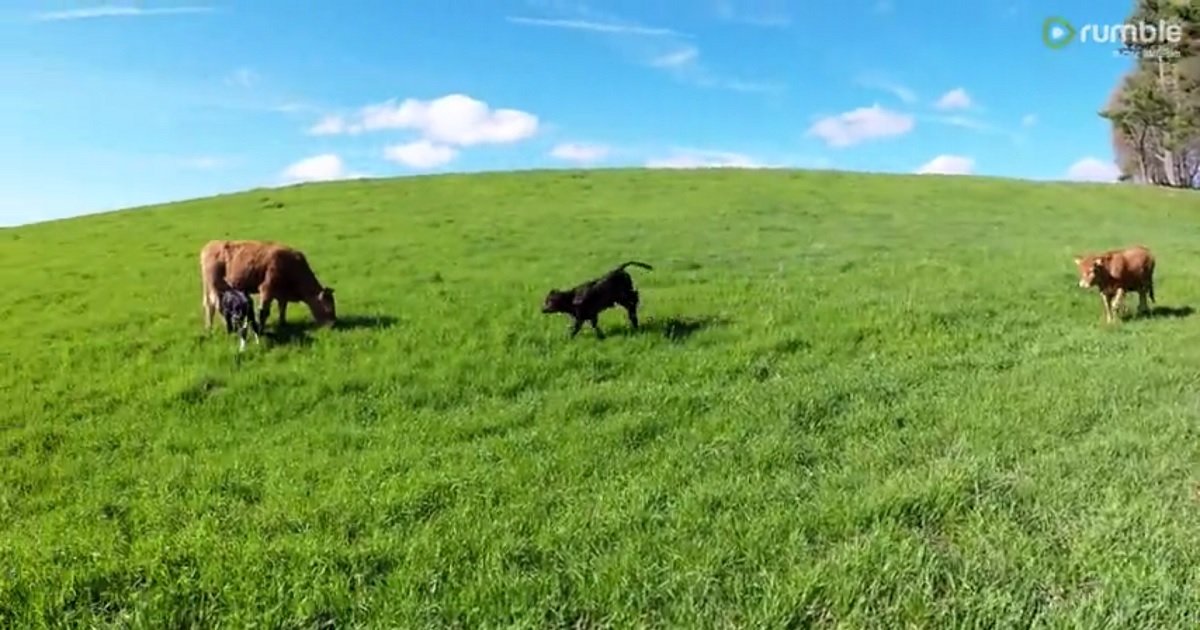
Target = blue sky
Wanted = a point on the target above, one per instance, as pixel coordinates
(106, 105)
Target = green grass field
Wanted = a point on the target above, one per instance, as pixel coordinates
(858, 400)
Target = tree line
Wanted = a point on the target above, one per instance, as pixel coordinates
(1155, 107)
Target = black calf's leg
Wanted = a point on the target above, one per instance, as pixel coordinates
(630, 303)
(575, 327)
(595, 321)
(255, 326)
(252, 317)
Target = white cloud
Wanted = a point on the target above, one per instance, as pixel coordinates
(899, 91)
(421, 154)
(696, 158)
(595, 26)
(904, 94)
(578, 152)
(703, 79)
(684, 64)
(954, 99)
(860, 125)
(1029, 120)
(974, 124)
(116, 11)
(329, 126)
(948, 165)
(1090, 169)
(965, 122)
(454, 119)
(665, 49)
(766, 13)
(242, 77)
(677, 58)
(318, 168)
(293, 108)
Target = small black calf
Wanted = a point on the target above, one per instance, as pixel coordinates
(238, 310)
(586, 301)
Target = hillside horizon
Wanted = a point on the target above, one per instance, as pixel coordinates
(551, 170)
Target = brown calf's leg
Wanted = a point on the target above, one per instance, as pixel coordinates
(1117, 303)
(1107, 307)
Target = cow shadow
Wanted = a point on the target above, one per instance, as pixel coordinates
(676, 329)
(1170, 312)
(288, 334)
(1159, 312)
(299, 332)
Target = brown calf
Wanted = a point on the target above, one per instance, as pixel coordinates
(1116, 272)
(277, 272)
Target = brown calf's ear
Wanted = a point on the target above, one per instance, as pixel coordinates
(1078, 259)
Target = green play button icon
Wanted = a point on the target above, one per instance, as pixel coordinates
(1057, 32)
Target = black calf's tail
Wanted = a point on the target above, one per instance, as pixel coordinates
(635, 264)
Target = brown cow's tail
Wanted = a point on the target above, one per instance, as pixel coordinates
(212, 272)
(1150, 288)
(207, 304)
(635, 264)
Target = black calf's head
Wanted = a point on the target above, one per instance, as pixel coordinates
(237, 307)
(557, 302)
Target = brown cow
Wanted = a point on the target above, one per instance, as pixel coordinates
(1116, 272)
(274, 270)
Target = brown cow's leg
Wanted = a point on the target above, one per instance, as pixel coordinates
(265, 311)
(208, 309)
(282, 312)
(1143, 307)
(208, 302)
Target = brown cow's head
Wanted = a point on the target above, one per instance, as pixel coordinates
(327, 308)
(1090, 268)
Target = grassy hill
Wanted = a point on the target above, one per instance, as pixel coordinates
(858, 400)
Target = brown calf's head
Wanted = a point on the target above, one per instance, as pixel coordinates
(327, 306)
(1091, 270)
(557, 302)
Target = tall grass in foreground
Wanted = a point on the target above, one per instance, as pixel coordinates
(858, 400)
